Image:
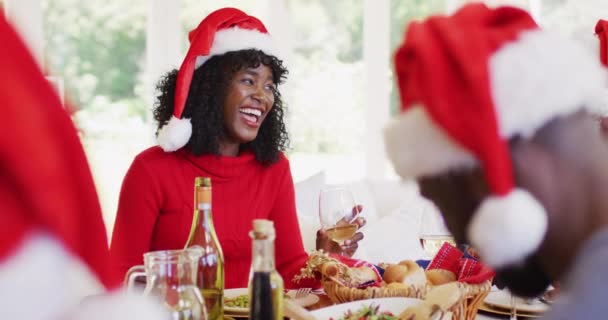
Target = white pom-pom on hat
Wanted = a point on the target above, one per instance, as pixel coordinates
(507, 228)
(175, 134)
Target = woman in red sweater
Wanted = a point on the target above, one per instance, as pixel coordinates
(220, 115)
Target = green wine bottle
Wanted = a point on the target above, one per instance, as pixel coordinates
(210, 275)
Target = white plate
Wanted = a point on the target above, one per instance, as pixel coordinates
(233, 293)
(305, 301)
(394, 305)
(502, 299)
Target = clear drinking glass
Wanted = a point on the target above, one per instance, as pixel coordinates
(337, 213)
(433, 232)
(171, 278)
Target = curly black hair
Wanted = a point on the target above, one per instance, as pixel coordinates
(204, 104)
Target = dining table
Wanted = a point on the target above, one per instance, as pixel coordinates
(324, 301)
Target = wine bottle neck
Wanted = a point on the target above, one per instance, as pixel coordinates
(263, 255)
(205, 219)
(202, 202)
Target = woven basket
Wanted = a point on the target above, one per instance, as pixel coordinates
(474, 294)
(339, 293)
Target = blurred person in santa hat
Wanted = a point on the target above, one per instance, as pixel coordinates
(601, 31)
(53, 244)
(498, 125)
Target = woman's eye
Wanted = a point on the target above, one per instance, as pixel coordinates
(247, 81)
(270, 87)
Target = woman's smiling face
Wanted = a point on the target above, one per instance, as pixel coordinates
(249, 98)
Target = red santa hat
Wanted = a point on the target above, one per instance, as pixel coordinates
(601, 30)
(222, 31)
(46, 186)
(468, 83)
(53, 243)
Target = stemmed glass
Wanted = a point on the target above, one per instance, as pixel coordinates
(433, 232)
(337, 212)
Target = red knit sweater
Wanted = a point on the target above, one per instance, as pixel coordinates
(155, 209)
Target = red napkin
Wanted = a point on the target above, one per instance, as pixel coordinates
(354, 263)
(601, 30)
(466, 269)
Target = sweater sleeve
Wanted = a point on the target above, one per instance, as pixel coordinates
(138, 209)
(290, 254)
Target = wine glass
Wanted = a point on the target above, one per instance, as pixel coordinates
(337, 212)
(433, 232)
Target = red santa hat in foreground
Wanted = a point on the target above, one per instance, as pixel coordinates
(601, 31)
(471, 81)
(53, 244)
(222, 31)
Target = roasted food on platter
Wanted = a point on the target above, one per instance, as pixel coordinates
(349, 276)
(344, 283)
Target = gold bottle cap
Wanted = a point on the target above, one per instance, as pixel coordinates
(263, 226)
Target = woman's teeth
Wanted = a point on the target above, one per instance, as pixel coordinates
(251, 111)
(250, 114)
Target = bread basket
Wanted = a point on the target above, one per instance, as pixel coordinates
(474, 295)
(337, 292)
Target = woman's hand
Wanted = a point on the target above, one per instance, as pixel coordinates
(349, 246)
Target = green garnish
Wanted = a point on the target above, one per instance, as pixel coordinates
(371, 312)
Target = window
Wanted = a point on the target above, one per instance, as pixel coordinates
(97, 49)
(324, 90)
(402, 12)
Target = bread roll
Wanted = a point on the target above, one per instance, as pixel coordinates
(406, 272)
(394, 273)
(396, 286)
(437, 302)
(349, 276)
(362, 275)
(439, 276)
(445, 296)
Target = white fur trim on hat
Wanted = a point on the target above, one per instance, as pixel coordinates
(507, 229)
(119, 306)
(42, 270)
(235, 39)
(541, 76)
(175, 134)
(413, 136)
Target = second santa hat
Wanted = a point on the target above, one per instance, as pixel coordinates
(601, 31)
(468, 83)
(222, 31)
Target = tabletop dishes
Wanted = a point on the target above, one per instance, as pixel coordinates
(499, 302)
(393, 305)
(243, 293)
